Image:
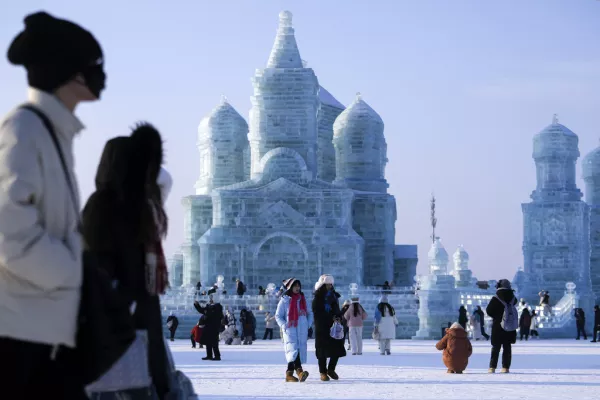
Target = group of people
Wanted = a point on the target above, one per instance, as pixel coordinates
(476, 322)
(63, 270)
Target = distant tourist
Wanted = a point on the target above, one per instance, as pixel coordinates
(545, 302)
(269, 326)
(475, 323)
(596, 323)
(502, 308)
(172, 324)
(481, 314)
(534, 325)
(262, 291)
(326, 309)
(248, 326)
(580, 322)
(240, 288)
(196, 334)
(525, 324)
(457, 349)
(385, 325)
(387, 289)
(355, 316)
(213, 289)
(294, 317)
(210, 335)
(463, 317)
(345, 308)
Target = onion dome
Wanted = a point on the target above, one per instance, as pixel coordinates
(223, 122)
(556, 140)
(359, 116)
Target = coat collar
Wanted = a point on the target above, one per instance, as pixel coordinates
(64, 121)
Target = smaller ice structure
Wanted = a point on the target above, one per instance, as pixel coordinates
(462, 273)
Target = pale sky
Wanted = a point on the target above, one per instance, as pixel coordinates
(462, 86)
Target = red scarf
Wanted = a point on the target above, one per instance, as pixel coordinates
(157, 275)
(294, 313)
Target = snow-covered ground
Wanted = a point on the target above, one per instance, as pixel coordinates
(544, 369)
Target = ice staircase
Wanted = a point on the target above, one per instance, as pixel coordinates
(560, 323)
(180, 301)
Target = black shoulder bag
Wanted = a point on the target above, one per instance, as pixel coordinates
(105, 327)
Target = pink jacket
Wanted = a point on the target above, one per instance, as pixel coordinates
(354, 322)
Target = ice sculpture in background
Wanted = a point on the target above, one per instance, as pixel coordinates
(461, 272)
(556, 222)
(591, 176)
(438, 298)
(299, 191)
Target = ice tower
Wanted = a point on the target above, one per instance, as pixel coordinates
(462, 273)
(556, 221)
(591, 176)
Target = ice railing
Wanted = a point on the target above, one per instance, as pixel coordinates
(562, 313)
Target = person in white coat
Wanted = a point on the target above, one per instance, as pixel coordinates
(475, 324)
(385, 323)
(40, 243)
(295, 318)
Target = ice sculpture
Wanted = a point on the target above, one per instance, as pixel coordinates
(591, 176)
(556, 221)
(462, 273)
(269, 210)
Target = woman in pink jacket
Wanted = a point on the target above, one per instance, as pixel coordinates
(355, 315)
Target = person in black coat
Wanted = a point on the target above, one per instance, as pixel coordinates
(580, 322)
(123, 222)
(481, 314)
(326, 309)
(525, 324)
(596, 322)
(501, 339)
(463, 317)
(174, 323)
(213, 312)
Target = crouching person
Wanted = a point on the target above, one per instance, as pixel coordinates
(457, 349)
(196, 334)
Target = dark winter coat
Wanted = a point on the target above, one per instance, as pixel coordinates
(463, 318)
(325, 345)
(214, 315)
(525, 322)
(241, 288)
(248, 323)
(580, 316)
(597, 317)
(495, 310)
(175, 323)
(481, 314)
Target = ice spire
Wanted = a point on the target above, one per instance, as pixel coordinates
(285, 52)
(555, 119)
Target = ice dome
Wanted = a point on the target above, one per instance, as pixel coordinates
(222, 122)
(359, 116)
(555, 140)
(437, 252)
(591, 163)
(461, 254)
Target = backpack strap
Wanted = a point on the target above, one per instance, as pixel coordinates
(501, 301)
(48, 125)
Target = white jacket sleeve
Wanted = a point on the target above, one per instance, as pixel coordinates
(165, 183)
(26, 249)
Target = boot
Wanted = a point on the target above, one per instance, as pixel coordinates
(325, 378)
(302, 375)
(458, 372)
(450, 371)
(289, 376)
(492, 371)
(388, 352)
(207, 358)
(333, 375)
(505, 371)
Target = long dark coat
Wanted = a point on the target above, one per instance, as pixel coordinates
(463, 318)
(214, 315)
(325, 345)
(495, 310)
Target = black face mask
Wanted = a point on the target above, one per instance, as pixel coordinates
(95, 78)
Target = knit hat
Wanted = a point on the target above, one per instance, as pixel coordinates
(503, 284)
(288, 283)
(324, 280)
(55, 50)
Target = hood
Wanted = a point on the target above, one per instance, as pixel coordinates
(505, 295)
(457, 332)
(113, 168)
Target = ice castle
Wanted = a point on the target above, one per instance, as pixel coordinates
(299, 191)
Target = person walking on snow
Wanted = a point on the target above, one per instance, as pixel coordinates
(172, 324)
(596, 323)
(481, 314)
(355, 316)
(295, 318)
(502, 308)
(534, 325)
(525, 324)
(326, 310)
(580, 322)
(457, 349)
(385, 323)
(463, 317)
(475, 326)
(345, 308)
(269, 325)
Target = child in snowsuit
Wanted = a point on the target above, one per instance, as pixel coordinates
(457, 349)
(196, 334)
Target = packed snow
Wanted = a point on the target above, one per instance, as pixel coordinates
(542, 369)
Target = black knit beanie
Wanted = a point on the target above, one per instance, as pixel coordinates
(53, 51)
